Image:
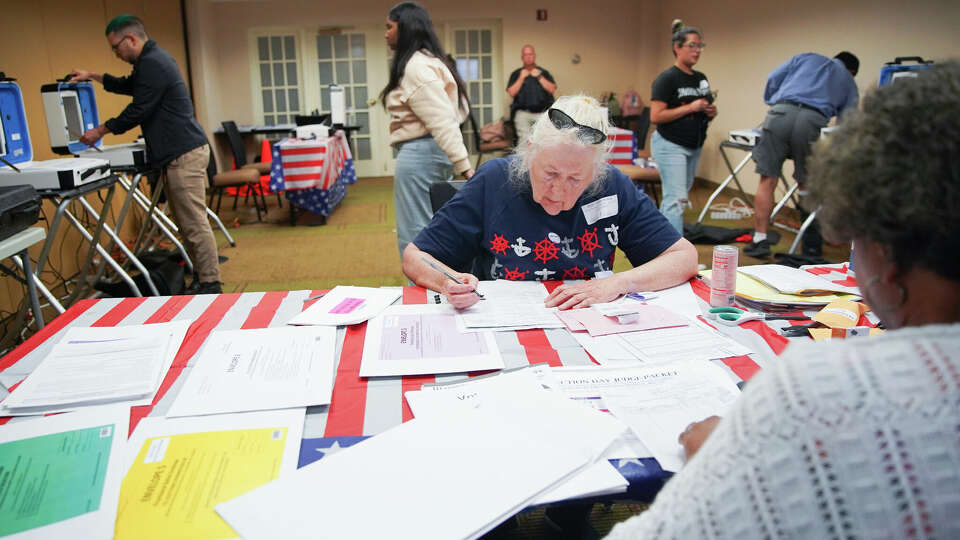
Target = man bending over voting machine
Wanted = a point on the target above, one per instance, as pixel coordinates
(553, 211)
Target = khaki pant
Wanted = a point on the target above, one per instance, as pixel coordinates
(523, 122)
(185, 185)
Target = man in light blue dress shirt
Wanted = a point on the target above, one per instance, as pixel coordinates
(804, 93)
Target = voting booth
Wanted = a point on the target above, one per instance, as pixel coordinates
(17, 151)
(71, 110)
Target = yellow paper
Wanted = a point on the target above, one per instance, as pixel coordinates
(176, 480)
(822, 334)
(752, 289)
(840, 314)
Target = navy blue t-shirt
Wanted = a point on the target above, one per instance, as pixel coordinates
(496, 230)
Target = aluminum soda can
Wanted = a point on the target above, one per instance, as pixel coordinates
(723, 277)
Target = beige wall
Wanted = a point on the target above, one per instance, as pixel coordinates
(746, 40)
(610, 59)
(622, 44)
(42, 41)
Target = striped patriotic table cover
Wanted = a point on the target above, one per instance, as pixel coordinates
(313, 174)
(624, 149)
(360, 407)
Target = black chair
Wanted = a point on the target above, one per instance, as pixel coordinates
(492, 146)
(639, 124)
(441, 192)
(238, 178)
(309, 120)
(240, 162)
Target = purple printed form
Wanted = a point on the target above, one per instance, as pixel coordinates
(409, 337)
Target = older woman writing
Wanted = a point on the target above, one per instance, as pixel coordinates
(855, 438)
(554, 211)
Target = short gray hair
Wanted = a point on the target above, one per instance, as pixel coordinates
(583, 110)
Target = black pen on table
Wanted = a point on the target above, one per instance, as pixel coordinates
(444, 272)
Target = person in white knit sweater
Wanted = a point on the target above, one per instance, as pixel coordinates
(857, 438)
(427, 101)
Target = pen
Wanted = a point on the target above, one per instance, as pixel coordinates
(444, 272)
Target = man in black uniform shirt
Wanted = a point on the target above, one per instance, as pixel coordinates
(176, 143)
(531, 88)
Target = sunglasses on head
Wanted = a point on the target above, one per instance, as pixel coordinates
(587, 134)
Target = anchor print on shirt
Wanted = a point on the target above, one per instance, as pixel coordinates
(600, 266)
(519, 248)
(544, 275)
(568, 251)
(613, 234)
(495, 269)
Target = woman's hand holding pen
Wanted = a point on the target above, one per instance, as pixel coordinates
(461, 295)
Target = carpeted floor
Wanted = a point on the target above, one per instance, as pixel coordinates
(357, 245)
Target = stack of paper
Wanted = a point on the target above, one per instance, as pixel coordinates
(95, 366)
(647, 317)
(260, 369)
(179, 469)
(424, 339)
(663, 400)
(434, 400)
(789, 280)
(695, 341)
(509, 305)
(755, 295)
(347, 305)
(451, 476)
(61, 474)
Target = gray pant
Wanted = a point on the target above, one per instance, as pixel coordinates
(789, 131)
(420, 162)
(185, 187)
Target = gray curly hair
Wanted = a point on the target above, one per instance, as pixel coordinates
(584, 110)
(891, 172)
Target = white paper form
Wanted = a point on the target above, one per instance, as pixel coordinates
(345, 305)
(451, 476)
(789, 280)
(509, 305)
(601, 478)
(261, 369)
(92, 366)
(665, 399)
(424, 339)
(694, 342)
(588, 385)
(69, 467)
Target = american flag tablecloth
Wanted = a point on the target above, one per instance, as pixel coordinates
(624, 149)
(360, 407)
(313, 174)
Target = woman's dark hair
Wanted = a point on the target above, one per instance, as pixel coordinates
(679, 33)
(890, 172)
(414, 33)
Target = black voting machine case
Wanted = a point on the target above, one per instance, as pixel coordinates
(19, 209)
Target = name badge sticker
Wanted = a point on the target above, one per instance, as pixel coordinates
(602, 208)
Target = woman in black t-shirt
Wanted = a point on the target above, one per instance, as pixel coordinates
(681, 106)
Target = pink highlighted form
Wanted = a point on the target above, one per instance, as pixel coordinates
(347, 305)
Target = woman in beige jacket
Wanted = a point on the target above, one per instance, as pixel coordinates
(427, 102)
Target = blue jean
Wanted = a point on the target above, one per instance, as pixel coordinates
(677, 165)
(420, 162)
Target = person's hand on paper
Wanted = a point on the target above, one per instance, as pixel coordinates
(696, 433)
(461, 295)
(580, 295)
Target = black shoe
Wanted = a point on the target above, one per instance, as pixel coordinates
(204, 287)
(759, 250)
